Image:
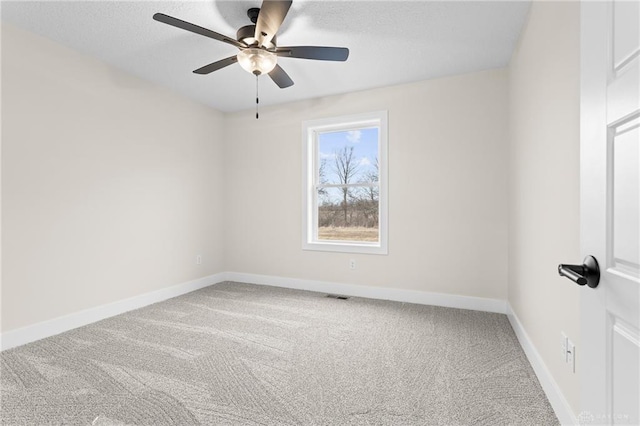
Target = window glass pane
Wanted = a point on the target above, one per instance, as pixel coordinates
(348, 156)
(348, 214)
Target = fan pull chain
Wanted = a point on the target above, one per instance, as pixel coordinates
(257, 100)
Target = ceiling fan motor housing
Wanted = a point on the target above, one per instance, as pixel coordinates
(247, 34)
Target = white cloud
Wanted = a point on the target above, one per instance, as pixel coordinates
(365, 161)
(354, 136)
(325, 155)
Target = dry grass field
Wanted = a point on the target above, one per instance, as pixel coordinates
(347, 233)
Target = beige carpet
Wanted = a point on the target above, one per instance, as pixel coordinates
(240, 354)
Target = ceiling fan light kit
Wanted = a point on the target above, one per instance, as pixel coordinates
(257, 61)
(257, 43)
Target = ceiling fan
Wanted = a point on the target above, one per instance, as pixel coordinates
(257, 43)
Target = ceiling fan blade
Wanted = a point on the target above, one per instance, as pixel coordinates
(271, 15)
(314, 52)
(215, 66)
(179, 23)
(280, 77)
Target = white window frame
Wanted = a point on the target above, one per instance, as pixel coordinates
(310, 131)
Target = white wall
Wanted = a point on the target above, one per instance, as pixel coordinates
(544, 209)
(110, 185)
(447, 186)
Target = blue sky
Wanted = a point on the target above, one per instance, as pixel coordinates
(365, 149)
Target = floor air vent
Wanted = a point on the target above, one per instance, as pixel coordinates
(336, 296)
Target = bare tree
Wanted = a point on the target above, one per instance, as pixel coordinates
(346, 168)
(322, 177)
(366, 197)
(373, 176)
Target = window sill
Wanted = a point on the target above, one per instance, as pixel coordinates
(346, 247)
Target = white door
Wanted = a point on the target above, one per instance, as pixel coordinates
(610, 211)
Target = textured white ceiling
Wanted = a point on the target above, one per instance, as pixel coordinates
(390, 42)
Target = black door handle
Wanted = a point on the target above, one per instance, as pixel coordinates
(588, 273)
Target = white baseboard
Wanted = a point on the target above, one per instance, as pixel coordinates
(21, 336)
(551, 389)
(383, 293)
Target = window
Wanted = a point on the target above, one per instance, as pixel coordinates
(345, 184)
